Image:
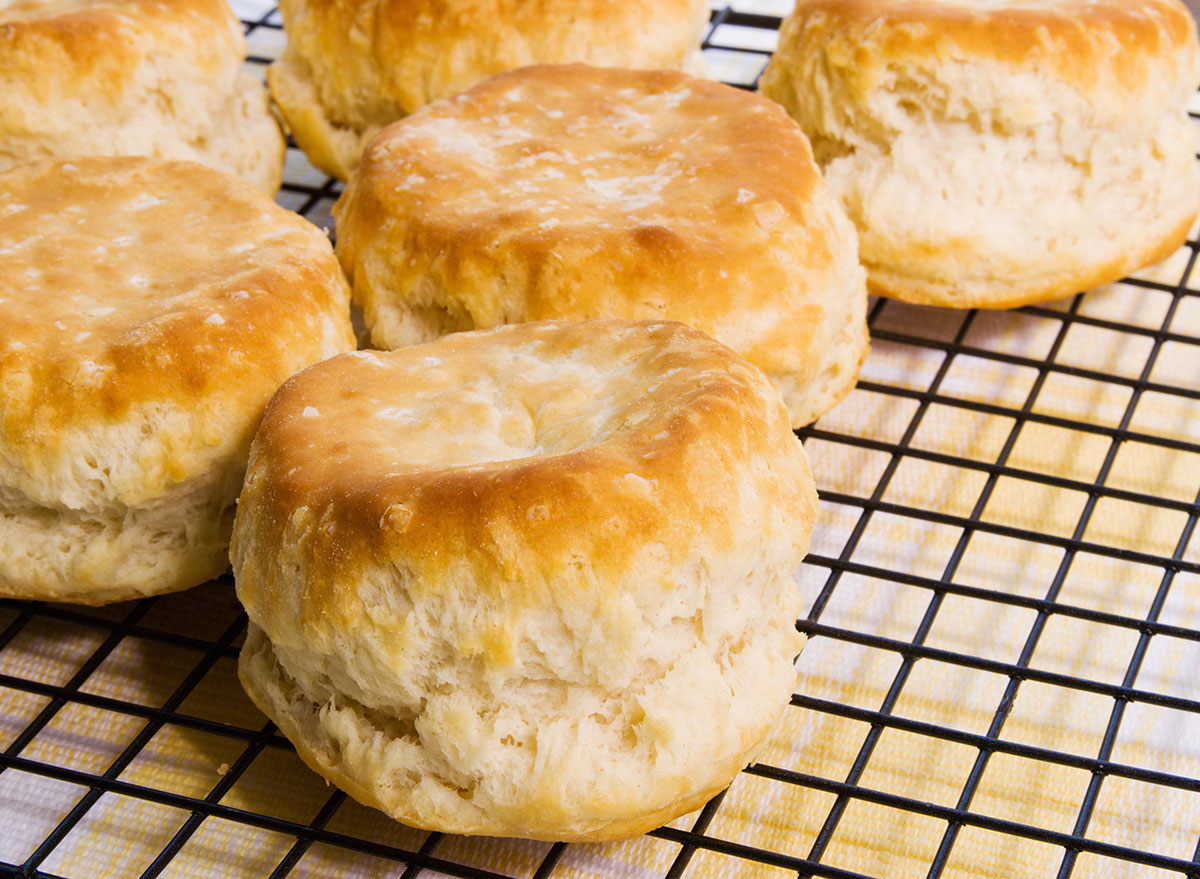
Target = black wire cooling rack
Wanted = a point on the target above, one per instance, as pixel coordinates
(1003, 677)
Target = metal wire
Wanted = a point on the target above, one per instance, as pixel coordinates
(200, 649)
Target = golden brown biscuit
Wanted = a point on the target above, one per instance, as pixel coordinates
(354, 66)
(157, 78)
(577, 192)
(531, 581)
(148, 310)
(998, 153)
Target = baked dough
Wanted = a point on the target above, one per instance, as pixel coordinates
(530, 581)
(570, 192)
(155, 78)
(353, 66)
(148, 310)
(995, 153)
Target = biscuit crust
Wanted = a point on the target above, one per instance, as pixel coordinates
(532, 581)
(158, 78)
(1001, 153)
(354, 66)
(148, 310)
(575, 192)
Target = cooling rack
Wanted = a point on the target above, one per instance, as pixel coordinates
(1002, 678)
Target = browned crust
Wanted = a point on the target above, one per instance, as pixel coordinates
(737, 234)
(238, 292)
(598, 261)
(696, 430)
(91, 51)
(1118, 51)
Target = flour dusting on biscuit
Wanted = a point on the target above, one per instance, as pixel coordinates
(140, 340)
(572, 192)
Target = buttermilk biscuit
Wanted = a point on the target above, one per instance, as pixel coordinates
(148, 310)
(133, 77)
(532, 581)
(995, 153)
(575, 192)
(354, 66)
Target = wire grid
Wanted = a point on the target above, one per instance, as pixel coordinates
(1008, 499)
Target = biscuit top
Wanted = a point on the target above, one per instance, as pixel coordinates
(526, 446)
(601, 193)
(470, 400)
(545, 147)
(56, 49)
(126, 282)
(1114, 51)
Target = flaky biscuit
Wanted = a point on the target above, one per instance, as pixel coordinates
(531, 581)
(354, 66)
(158, 78)
(998, 153)
(148, 310)
(576, 192)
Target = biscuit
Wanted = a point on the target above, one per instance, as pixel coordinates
(998, 153)
(354, 66)
(158, 78)
(576, 192)
(532, 581)
(148, 310)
